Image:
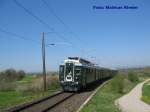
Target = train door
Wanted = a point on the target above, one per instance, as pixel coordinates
(61, 72)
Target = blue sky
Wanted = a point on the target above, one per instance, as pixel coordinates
(116, 38)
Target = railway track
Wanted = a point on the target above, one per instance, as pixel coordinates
(59, 102)
(43, 105)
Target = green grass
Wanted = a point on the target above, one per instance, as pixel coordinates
(14, 97)
(146, 93)
(103, 100)
(11, 98)
(26, 79)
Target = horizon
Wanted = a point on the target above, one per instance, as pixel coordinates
(119, 68)
(111, 38)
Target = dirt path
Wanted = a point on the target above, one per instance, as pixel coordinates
(131, 102)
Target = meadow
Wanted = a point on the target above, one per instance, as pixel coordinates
(18, 87)
(146, 93)
(122, 83)
(15, 91)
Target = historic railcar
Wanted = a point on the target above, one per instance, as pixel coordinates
(76, 73)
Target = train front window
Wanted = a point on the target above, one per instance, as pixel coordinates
(69, 69)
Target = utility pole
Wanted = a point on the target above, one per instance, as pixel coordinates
(43, 59)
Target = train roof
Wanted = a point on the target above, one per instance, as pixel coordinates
(81, 60)
(78, 61)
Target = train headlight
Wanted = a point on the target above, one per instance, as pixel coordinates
(62, 81)
(76, 82)
(76, 77)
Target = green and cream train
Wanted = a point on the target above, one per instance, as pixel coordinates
(76, 73)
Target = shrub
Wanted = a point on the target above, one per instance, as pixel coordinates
(117, 84)
(2, 76)
(7, 86)
(21, 74)
(52, 82)
(127, 85)
(37, 85)
(132, 77)
(11, 75)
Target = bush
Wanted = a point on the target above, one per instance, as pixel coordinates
(21, 74)
(11, 75)
(117, 84)
(2, 76)
(133, 77)
(121, 84)
(37, 85)
(52, 82)
(7, 86)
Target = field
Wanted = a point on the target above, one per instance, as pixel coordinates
(104, 99)
(146, 93)
(10, 98)
(25, 90)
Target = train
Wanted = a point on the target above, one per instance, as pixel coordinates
(77, 73)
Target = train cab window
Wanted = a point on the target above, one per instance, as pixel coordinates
(77, 71)
(61, 69)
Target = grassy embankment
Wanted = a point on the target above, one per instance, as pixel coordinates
(146, 93)
(25, 90)
(103, 100)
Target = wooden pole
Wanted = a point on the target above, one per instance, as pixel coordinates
(43, 59)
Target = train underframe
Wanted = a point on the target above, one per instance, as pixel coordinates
(74, 87)
(71, 86)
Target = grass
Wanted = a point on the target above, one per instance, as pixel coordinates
(26, 90)
(26, 79)
(146, 93)
(103, 100)
(11, 98)
(30, 88)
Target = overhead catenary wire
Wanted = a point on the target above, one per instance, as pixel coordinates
(57, 17)
(51, 11)
(41, 21)
(22, 37)
(33, 15)
(60, 20)
(46, 25)
(18, 36)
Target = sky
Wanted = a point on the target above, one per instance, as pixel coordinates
(112, 38)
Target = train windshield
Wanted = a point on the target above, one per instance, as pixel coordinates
(69, 71)
(69, 68)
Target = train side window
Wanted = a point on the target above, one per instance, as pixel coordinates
(87, 71)
(77, 71)
(61, 69)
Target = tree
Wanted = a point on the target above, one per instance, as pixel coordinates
(10, 75)
(21, 74)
